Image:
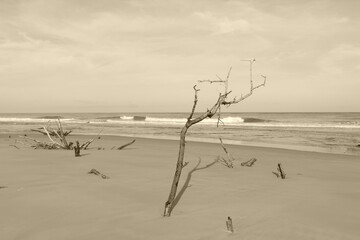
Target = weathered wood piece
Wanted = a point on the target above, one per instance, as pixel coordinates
(191, 120)
(96, 172)
(77, 149)
(249, 163)
(13, 145)
(229, 161)
(53, 134)
(126, 145)
(229, 225)
(280, 172)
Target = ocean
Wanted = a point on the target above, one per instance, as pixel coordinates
(318, 132)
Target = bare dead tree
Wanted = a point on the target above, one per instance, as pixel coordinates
(57, 138)
(191, 120)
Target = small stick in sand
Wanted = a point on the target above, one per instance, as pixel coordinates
(280, 172)
(229, 225)
(96, 172)
(126, 145)
(229, 161)
(249, 163)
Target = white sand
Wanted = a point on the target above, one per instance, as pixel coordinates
(50, 196)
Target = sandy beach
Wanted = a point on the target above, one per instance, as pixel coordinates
(48, 194)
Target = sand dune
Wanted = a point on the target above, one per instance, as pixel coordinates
(49, 195)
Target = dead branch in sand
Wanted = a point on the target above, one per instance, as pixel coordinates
(228, 162)
(40, 130)
(57, 139)
(280, 174)
(126, 145)
(191, 120)
(229, 225)
(96, 172)
(249, 163)
(13, 145)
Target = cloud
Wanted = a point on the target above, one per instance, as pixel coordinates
(119, 50)
(223, 25)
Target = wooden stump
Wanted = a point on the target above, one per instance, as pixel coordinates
(229, 225)
(77, 149)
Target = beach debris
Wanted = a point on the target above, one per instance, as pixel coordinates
(57, 138)
(249, 163)
(126, 145)
(280, 174)
(3, 187)
(77, 149)
(229, 225)
(96, 172)
(53, 134)
(222, 100)
(13, 145)
(226, 162)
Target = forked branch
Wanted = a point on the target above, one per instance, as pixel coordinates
(191, 120)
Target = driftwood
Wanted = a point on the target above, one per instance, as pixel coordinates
(77, 149)
(227, 162)
(126, 145)
(280, 174)
(13, 145)
(40, 130)
(229, 225)
(249, 163)
(37, 144)
(57, 139)
(96, 172)
(191, 120)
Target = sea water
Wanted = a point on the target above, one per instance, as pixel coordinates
(320, 132)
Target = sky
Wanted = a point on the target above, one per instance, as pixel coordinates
(146, 56)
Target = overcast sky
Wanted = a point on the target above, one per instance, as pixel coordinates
(120, 56)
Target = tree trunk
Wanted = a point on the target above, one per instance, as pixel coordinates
(179, 166)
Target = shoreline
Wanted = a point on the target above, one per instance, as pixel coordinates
(354, 151)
